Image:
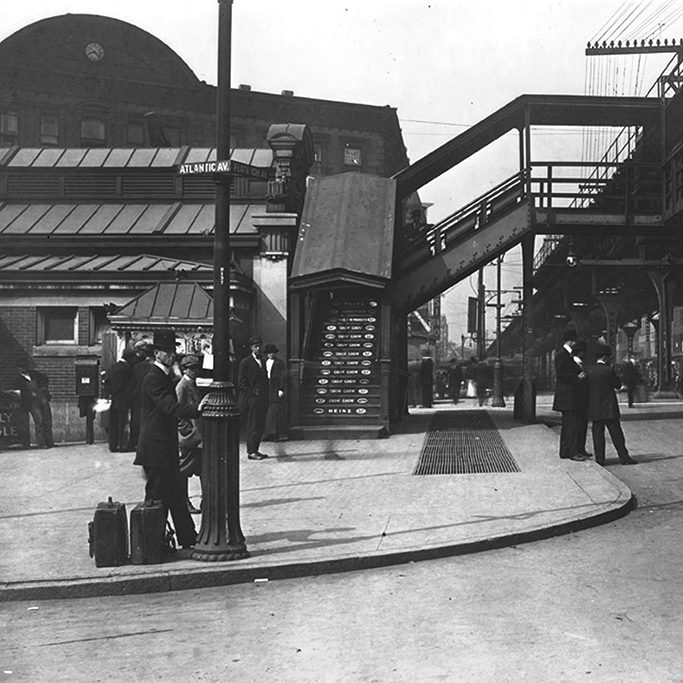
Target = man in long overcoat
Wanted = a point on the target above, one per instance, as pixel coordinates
(157, 449)
(34, 398)
(252, 381)
(603, 407)
(567, 400)
(117, 384)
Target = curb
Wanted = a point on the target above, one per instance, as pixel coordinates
(211, 577)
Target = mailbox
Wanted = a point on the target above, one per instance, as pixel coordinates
(87, 376)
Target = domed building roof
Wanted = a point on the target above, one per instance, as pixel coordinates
(94, 46)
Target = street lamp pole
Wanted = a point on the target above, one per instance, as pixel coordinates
(220, 414)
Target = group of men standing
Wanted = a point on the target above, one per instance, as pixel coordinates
(583, 394)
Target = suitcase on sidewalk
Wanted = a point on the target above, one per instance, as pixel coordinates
(147, 533)
(108, 534)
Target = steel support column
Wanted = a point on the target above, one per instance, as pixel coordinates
(665, 285)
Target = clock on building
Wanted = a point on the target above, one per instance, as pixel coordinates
(94, 52)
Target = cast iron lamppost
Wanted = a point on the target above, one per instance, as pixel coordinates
(220, 467)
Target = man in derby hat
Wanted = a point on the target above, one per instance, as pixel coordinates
(570, 379)
(603, 407)
(276, 415)
(252, 381)
(157, 449)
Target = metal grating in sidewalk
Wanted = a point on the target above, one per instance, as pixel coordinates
(464, 442)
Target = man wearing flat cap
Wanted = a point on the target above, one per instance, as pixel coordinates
(252, 381)
(157, 449)
(603, 408)
(570, 380)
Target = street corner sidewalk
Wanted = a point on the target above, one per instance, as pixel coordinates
(311, 507)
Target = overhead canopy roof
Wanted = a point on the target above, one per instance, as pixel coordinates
(178, 305)
(79, 267)
(139, 157)
(346, 231)
(109, 218)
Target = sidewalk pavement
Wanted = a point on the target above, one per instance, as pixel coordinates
(312, 507)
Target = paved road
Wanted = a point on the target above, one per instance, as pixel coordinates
(604, 604)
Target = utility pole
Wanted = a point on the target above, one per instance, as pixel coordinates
(481, 317)
(220, 414)
(497, 400)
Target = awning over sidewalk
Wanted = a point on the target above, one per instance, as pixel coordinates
(180, 305)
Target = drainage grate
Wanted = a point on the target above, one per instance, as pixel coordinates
(464, 442)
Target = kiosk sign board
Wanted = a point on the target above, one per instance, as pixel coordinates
(14, 427)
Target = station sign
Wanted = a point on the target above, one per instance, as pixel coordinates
(227, 166)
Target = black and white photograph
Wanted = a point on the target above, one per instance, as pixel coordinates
(341, 341)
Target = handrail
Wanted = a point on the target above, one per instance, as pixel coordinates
(472, 216)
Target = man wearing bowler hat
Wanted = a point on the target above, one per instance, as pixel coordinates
(252, 381)
(603, 408)
(570, 382)
(157, 449)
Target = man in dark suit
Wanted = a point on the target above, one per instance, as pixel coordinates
(603, 407)
(34, 397)
(252, 381)
(569, 377)
(117, 385)
(140, 368)
(157, 449)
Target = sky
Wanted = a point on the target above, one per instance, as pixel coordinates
(443, 64)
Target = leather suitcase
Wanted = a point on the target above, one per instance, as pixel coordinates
(147, 533)
(108, 534)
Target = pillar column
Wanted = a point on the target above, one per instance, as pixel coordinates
(665, 285)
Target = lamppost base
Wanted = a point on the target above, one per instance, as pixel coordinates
(220, 478)
(223, 555)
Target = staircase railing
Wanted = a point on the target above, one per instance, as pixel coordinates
(474, 215)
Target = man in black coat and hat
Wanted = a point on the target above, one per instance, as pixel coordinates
(570, 380)
(252, 381)
(157, 449)
(603, 407)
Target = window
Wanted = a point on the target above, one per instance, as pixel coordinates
(93, 133)
(318, 153)
(49, 130)
(58, 325)
(352, 156)
(9, 128)
(136, 134)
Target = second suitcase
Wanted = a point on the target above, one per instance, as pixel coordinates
(147, 533)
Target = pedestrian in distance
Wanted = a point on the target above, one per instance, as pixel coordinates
(190, 429)
(454, 380)
(603, 407)
(482, 381)
(34, 398)
(569, 375)
(157, 450)
(117, 385)
(276, 415)
(426, 380)
(252, 381)
(631, 378)
(140, 368)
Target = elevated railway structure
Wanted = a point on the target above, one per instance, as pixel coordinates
(621, 214)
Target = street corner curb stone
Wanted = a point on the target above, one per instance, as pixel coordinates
(167, 580)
